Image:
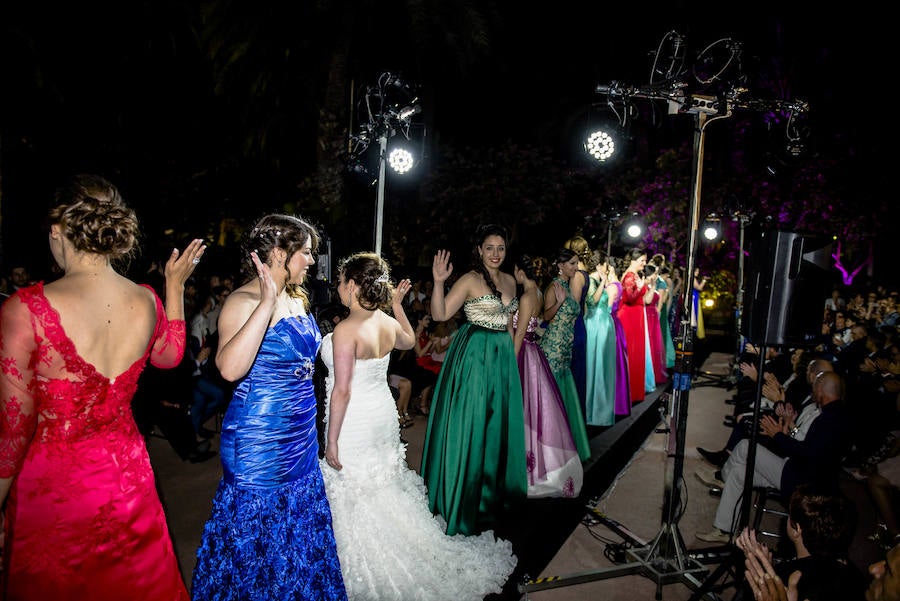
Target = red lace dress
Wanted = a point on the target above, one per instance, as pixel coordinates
(83, 519)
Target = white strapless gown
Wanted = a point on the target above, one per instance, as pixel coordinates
(389, 544)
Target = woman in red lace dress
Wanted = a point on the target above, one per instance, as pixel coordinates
(83, 519)
(632, 315)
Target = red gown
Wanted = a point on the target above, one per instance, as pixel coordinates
(632, 315)
(654, 333)
(83, 519)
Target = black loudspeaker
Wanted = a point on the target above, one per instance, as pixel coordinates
(788, 280)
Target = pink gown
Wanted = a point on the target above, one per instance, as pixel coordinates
(83, 518)
(554, 468)
(657, 348)
(623, 394)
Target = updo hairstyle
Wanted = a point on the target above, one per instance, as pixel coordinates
(287, 232)
(373, 278)
(597, 257)
(526, 264)
(580, 247)
(564, 255)
(94, 218)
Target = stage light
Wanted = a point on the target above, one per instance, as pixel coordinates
(400, 160)
(601, 145)
(633, 227)
(604, 131)
(709, 303)
(712, 228)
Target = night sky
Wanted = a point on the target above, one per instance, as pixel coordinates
(126, 89)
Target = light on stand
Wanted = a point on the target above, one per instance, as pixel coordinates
(712, 228)
(601, 145)
(633, 227)
(400, 160)
(387, 109)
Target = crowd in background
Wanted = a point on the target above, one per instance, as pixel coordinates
(593, 335)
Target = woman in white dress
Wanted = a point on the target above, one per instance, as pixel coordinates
(389, 544)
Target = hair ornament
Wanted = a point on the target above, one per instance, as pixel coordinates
(383, 279)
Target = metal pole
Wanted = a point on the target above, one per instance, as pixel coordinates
(379, 208)
(609, 225)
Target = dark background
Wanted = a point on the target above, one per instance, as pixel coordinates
(144, 93)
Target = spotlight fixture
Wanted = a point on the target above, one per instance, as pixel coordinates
(712, 228)
(633, 227)
(400, 160)
(601, 145)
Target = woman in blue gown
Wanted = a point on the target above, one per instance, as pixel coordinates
(473, 461)
(270, 533)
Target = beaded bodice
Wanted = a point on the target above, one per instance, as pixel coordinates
(489, 312)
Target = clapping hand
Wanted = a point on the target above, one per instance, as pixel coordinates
(769, 426)
(559, 292)
(760, 574)
(749, 371)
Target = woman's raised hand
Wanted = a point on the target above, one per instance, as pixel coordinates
(400, 292)
(267, 288)
(181, 265)
(441, 267)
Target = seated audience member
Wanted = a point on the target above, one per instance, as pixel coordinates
(820, 527)
(776, 362)
(785, 403)
(815, 459)
(767, 585)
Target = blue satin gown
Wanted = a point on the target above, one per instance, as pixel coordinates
(270, 534)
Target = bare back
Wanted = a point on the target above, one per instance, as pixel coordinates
(373, 335)
(109, 319)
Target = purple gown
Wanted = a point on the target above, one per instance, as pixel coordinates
(554, 468)
(623, 398)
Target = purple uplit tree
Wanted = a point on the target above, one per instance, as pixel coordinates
(847, 276)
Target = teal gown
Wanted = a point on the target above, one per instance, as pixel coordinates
(601, 359)
(473, 461)
(557, 345)
(668, 341)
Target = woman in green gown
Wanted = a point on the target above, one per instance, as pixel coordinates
(473, 461)
(561, 310)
